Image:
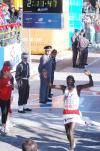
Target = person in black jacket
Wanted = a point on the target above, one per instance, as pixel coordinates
(13, 14)
(71, 113)
(75, 49)
(53, 59)
(22, 78)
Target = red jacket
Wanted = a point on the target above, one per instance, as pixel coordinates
(97, 28)
(5, 88)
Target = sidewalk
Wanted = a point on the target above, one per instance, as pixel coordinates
(45, 126)
(45, 123)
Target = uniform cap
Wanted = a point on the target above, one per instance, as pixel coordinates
(48, 47)
(77, 30)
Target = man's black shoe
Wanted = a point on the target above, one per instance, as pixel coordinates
(50, 96)
(21, 111)
(75, 66)
(81, 67)
(86, 63)
(49, 100)
(28, 110)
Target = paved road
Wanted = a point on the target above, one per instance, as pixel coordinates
(45, 124)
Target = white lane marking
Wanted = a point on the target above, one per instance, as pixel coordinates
(90, 112)
(26, 122)
(96, 60)
(96, 88)
(91, 123)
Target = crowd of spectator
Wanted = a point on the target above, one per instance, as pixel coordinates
(9, 15)
(91, 24)
(10, 21)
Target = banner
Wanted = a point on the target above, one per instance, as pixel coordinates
(41, 20)
(13, 54)
(1, 56)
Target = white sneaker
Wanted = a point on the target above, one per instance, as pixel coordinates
(3, 130)
(74, 144)
(73, 147)
(10, 124)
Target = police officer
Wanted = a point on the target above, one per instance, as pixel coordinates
(53, 59)
(45, 66)
(22, 77)
(74, 40)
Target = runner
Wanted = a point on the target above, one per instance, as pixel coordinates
(71, 113)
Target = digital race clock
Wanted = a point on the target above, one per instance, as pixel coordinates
(42, 6)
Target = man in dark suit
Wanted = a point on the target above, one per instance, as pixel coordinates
(75, 50)
(45, 67)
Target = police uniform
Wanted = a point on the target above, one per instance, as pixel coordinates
(53, 59)
(45, 64)
(22, 77)
(53, 68)
(74, 40)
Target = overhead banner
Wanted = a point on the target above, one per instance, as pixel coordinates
(48, 20)
(42, 14)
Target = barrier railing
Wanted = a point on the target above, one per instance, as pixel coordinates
(9, 34)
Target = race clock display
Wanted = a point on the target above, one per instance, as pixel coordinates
(42, 6)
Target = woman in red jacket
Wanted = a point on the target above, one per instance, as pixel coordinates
(5, 93)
